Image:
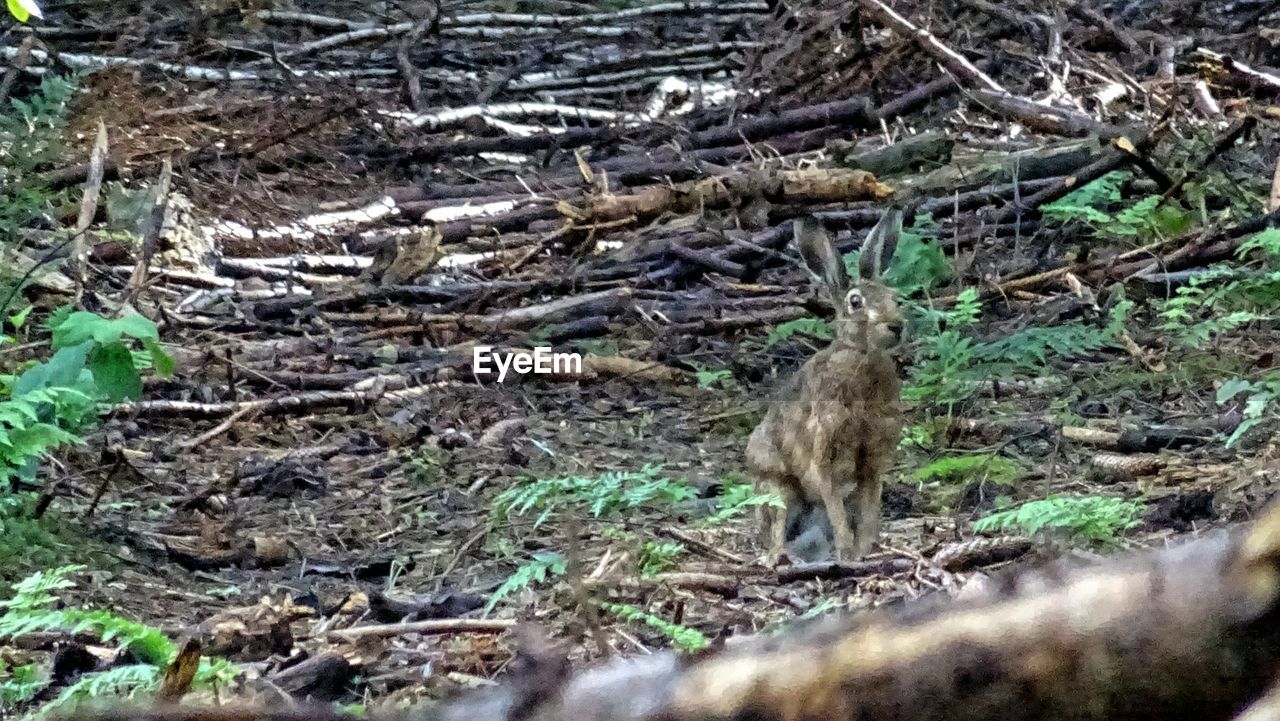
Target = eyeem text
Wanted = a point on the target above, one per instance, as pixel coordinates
(541, 360)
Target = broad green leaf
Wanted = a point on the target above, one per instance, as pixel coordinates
(83, 325)
(137, 326)
(18, 319)
(63, 369)
(77, 328)
(163, 362)
(918, 264)
(23, 10)
(112, 368)
(1232, 388)
(1241, 429)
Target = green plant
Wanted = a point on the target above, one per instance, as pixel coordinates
(31, 138)
(1262, 396)
(53, 403)
(1099, 520)
(30, 609)
(918, 263)
(536, 570)
(949, 481)
(916, 435)
(122, 682)
(1147, 219)
(813, 327)
(424, 464)
(951, 364)
(708, 377)
(961, 469)
(598, 346)
(1224, 298)
(682, 637)
(658, 556)
(737, 496)
(23, 10)
(603, 495)
(28, 542)
(20, 684)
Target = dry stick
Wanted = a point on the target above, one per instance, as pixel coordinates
(232, 713)
(1272, 81)
(17, 65)
(1044, 118)
(151, 239)
(435, 626)
(72, 174)
(700, 545)
(102, 487)
(412, 78)
(843, 569)
(1095, 17)
(1191, 249)
(630, 170)
(79, 255)
(219, 429)
(855, 112)
(1273, 200)
(950, 59)
(301, 402)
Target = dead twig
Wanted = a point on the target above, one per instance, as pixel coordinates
(432, 627)
(151, 237)
(79, 253)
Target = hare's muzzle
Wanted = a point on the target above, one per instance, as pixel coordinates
(889, 335)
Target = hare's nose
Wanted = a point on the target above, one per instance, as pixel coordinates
(895, 329)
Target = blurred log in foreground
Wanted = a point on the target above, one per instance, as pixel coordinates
(1186, 633)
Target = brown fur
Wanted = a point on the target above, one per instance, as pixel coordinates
(833, 430)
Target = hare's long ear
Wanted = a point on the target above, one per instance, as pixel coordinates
(820, 255)
(878, 248)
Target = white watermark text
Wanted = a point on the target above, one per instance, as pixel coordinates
(485, 360)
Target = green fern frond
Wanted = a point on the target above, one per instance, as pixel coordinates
(961, 469)
(34, 592)
(737, 497)
(19, 684)
(682, 637)
(536, 570)
(604, 495)
(813, 327)
(122, 682)
(1095, 519)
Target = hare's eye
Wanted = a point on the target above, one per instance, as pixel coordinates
(853, 300)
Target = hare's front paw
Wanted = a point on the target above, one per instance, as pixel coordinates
(773, 559)
(846, 551)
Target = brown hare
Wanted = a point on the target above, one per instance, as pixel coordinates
(833, 429)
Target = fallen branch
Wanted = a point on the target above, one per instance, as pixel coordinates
(434, 626)
(948, 58)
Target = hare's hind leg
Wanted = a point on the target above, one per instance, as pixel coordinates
(869, 481)
(772, 519)
(773, 529)
(868, 513)
(833, 502)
